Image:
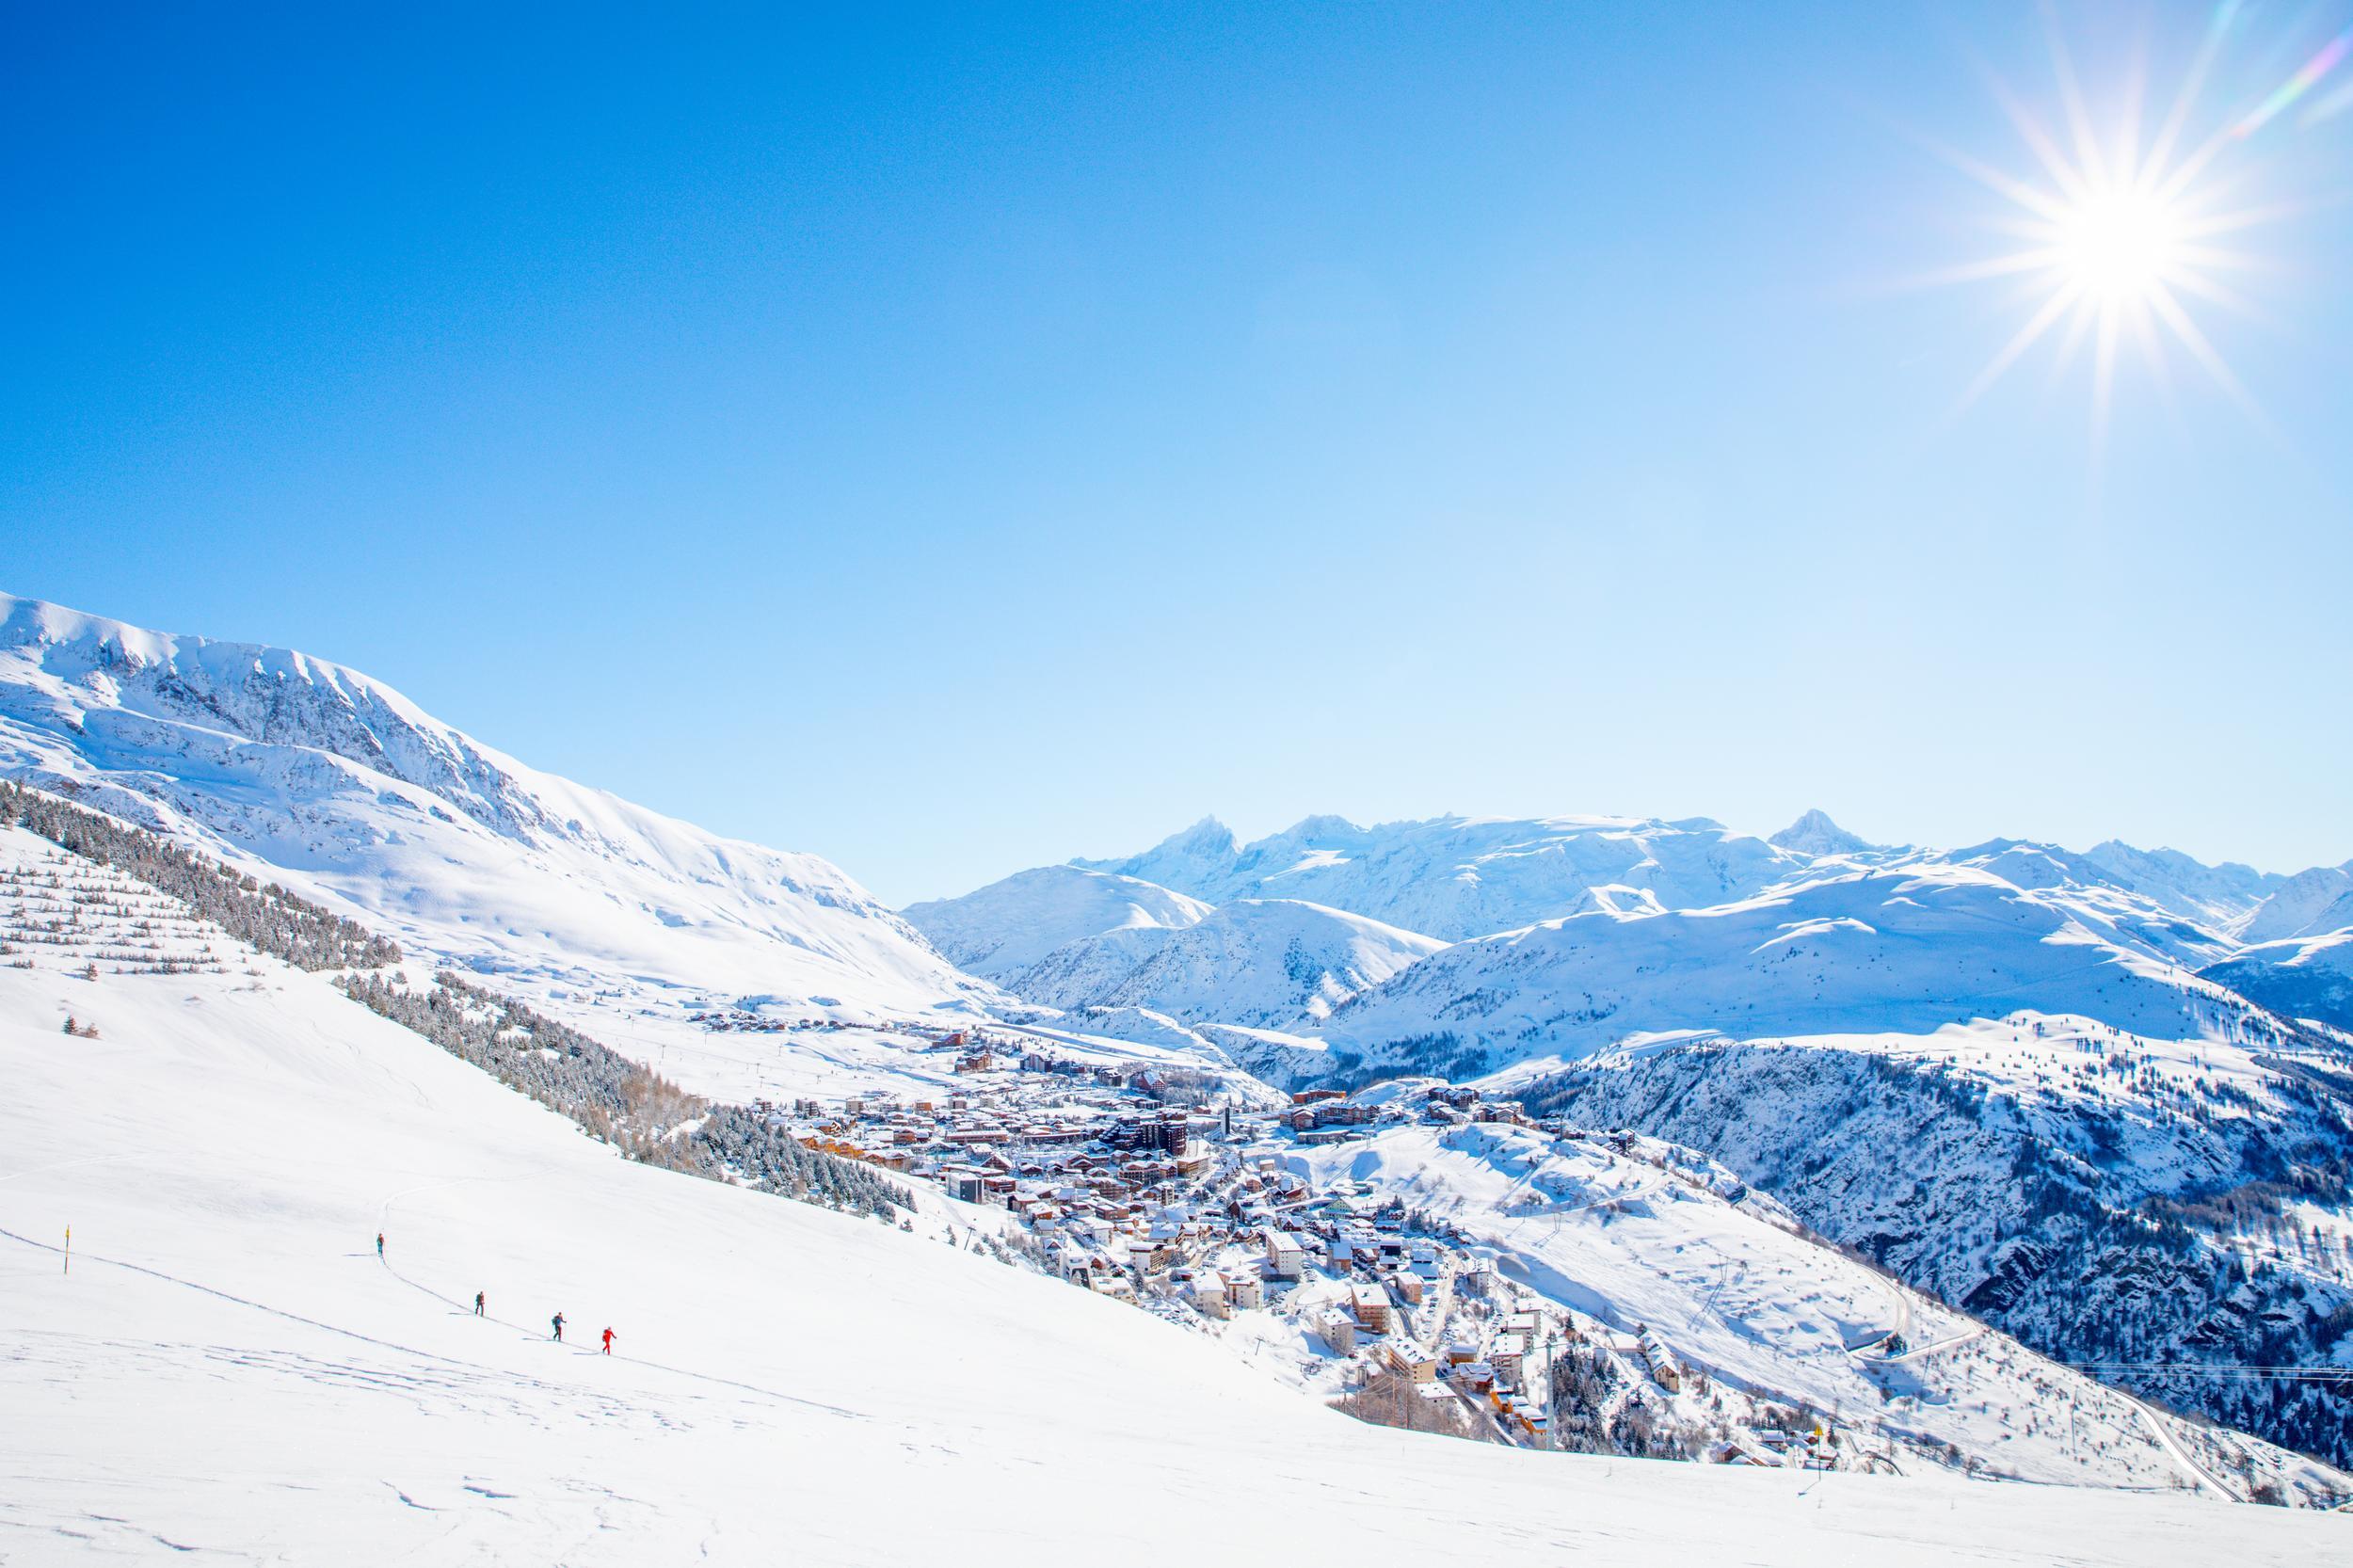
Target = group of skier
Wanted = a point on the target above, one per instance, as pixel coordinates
(555, 1322)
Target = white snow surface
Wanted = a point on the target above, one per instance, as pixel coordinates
(1005, 928)
(1257, 962)
(227, 1369)
(2308, 903)
(1905, 950)
(2306, 977)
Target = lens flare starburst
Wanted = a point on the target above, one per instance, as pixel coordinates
(2117, 236)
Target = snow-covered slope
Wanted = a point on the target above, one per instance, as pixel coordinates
(1262, 963)
(1904, 951)
(2308, 903)
(1005, 928)
(1458, 877)
(325, 779)
(2157, 1205)
(1642, 1233)
(226, 1367)
(2302, 977)
(2222, 896)
(2154, 910)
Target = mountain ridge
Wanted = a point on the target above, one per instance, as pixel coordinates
(332, 781)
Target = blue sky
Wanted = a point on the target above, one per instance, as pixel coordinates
(950, 442)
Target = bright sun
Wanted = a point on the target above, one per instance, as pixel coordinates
(2117, 235)
(2119, 247)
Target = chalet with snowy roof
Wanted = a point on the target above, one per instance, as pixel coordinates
(1476, 1377)
(1661, 1362)
(1412, 1360)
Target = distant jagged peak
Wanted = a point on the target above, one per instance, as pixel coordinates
(1814, 834)
(1205, 833)
(1322, 825)
(1194, 860)
(1207, 836)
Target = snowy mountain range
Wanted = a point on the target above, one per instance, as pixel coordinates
(2017, 1075)
(2170, 1210)
(1472, 881)
(1458, 877)
(1905, 949)
(2025, 1078)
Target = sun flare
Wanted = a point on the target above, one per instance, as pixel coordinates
(2119, 247)
(2119, 236)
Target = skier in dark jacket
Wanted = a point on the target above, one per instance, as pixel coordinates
(477, 1304)
(558, 1322)
(379, 1244)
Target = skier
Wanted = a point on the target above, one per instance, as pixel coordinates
(477, 1304)
(608, 1342)
(379, 1244)
(558, 1322)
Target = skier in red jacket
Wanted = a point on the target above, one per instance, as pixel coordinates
(608, 1342)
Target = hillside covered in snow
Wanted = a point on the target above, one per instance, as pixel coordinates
(329, 781)
(2170, 1210)
(1009, 926)
(1905, 949)
(1269, 963)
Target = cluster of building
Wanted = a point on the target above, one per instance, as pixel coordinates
(1211, 1211)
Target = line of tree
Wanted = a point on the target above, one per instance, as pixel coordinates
(647, 1117)
(306, 935)
(644, 1114)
